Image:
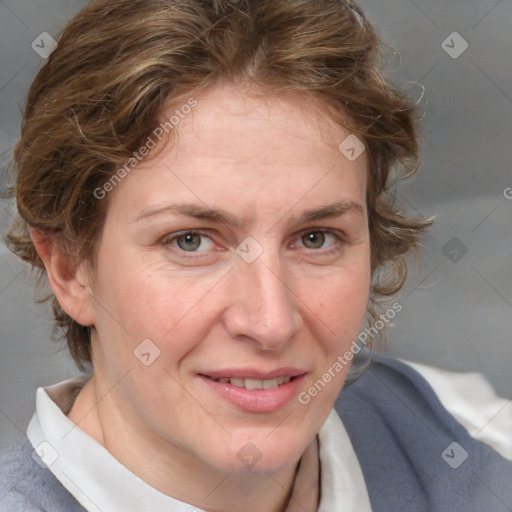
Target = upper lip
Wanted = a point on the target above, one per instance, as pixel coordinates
(251, 373)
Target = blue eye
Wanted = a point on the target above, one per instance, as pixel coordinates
(321, 241)
(190, 241)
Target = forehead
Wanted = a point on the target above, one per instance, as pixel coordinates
(240, 148)
(242, 122)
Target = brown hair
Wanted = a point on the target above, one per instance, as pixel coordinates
(118, 62)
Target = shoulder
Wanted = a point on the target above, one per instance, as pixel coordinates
(26, 486)
(405, 439)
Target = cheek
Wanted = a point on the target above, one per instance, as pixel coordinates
(136, 302)
(337, 314)
(338, 303)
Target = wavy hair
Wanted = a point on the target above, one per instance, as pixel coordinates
(119, 62)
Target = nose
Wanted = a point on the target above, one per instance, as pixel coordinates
(263, 307)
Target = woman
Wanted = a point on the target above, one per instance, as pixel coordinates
(204, 186)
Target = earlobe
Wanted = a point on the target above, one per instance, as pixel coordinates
(67, 278)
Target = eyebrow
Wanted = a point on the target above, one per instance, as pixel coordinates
(333, 210)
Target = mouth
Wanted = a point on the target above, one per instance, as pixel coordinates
(253, 384)
(256, 391)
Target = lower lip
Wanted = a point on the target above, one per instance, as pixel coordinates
(257, 400)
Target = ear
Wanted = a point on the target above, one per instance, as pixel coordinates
(67, 276)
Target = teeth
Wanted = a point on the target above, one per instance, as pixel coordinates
(270, 383)
(253, 384)
(256, 383)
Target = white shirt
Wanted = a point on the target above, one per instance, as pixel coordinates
(99, 482)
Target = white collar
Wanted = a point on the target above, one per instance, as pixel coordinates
(99, 482)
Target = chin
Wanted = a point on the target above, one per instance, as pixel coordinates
(262, 454)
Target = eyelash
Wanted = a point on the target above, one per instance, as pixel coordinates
(340, 239)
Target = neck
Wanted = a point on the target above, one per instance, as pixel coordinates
(170, 469)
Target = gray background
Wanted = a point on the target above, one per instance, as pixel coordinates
(457, 303)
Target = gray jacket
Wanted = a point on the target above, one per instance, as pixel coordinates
(414, 456)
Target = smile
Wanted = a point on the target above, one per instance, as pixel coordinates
(258, 392)
(255, 383)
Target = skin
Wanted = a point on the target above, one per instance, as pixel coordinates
(265, 161)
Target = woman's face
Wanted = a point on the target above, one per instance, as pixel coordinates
(238, 258)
